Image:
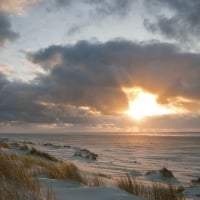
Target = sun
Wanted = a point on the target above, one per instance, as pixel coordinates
(143, 104)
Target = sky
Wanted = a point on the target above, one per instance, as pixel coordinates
(90, 65)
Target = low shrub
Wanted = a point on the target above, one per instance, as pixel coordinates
(166, 173)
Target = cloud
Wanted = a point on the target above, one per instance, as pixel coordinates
(17, 102)
(6, 33)
(64, 2)
(114, 7)
(74, 29)
(30, 103)
(160, 68)
(16, 6)
(90, 12)
(6, 69)
(173, 122)
(181, 23)
(8, 7)
(83, 83)
(3, 80)
(101, 8)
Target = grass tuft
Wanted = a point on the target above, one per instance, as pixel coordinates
(24, 148)
(93, 181)
(42, 154)
(19, 176)
(155, 191)
(63, 171)
(50, 194)
(16, 181)
(4, 145)
(104, 175)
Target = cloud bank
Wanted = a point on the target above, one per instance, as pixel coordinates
(160, 68)
(83, 83)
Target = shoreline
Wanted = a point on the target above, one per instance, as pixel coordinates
(153, 176)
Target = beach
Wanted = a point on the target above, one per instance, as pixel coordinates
(113, 155)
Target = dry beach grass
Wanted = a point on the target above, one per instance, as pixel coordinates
(155, 191)
(42, 154)
(16, 181)
(20, 174)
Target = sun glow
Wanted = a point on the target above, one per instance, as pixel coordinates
(143, 104)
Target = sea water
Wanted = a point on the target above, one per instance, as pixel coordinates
(120, 153)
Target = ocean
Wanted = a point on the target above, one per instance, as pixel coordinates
(119, 153)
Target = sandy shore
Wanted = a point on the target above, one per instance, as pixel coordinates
(95, 186)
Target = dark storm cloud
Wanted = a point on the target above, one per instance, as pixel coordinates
(83, 82)
(19, 102)
(183, 24)
(103, 68)
(29, 103)
(6, 32)
(3, 80)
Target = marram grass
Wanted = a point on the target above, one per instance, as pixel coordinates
(154, 191)
(19, 176)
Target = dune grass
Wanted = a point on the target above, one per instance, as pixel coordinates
(24, 148)
(4, 145)
(104, 175)
(42, 154)
(16, 181)
(155, 191)
(50, 194)
(63, 171)
(19, 176)
(93, 181)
